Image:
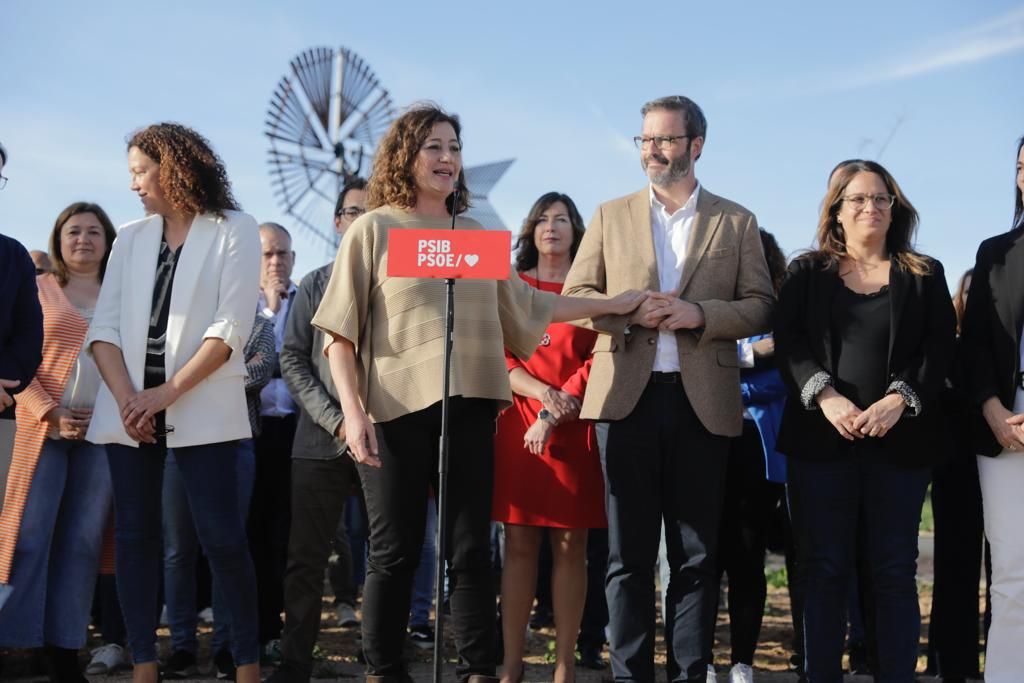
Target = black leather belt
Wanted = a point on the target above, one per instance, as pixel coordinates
(666, 378)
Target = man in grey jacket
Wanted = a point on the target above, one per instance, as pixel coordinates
(322, 472)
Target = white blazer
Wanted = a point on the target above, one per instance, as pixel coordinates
(216, 285)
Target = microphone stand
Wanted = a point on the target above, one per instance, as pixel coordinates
(442, 464)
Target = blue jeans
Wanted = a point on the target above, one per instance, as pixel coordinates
(423, 580)
(181, 548)
(886, 500)
(58, 550)
(210, 476)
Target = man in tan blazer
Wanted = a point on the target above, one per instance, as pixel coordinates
(666, 379)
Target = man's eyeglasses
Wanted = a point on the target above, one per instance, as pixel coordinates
(881, 201)
(3, 182)
(351, 212)
(659, 141)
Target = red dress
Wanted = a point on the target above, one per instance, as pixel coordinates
(564, 487)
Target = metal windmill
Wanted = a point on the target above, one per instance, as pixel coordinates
(324, 122)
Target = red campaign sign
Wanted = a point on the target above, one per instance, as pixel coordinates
(440, 253)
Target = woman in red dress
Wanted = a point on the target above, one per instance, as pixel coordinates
(547, 473)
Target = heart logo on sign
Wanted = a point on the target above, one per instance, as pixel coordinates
(472, 259)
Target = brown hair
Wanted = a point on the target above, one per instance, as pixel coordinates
(391, 182)
(775, 258)
(526, 248)
(192, 176)
(960, 298)
(831, 237)
(60, 268)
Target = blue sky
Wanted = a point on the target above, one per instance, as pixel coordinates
(788, 88)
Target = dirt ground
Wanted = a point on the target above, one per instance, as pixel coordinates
(340, 647)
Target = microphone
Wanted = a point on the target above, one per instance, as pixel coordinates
(455, 200)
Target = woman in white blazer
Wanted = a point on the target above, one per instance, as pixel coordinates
(172, 319)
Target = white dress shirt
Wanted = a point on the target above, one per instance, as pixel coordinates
(671, 238)
(275, 401)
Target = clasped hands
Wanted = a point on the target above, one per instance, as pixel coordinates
(71, 423)
(853, 423)
(563, 407)
(138, 411)
(666, 311)
(1007, 427)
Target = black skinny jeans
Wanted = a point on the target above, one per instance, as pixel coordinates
(396, 503)
(750, 500)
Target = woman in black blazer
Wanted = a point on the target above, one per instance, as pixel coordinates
(864, 334)
(991, 341)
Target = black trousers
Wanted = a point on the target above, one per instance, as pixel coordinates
(953, 635)
(750, 502)
(319, 491)
(269, 519)
(396, 503)
(662, 464)
(341, 569)
(595, 609)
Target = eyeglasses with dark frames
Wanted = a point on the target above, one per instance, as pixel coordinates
(659, 141)
(351, 212)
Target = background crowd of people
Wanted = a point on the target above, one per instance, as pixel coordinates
(649, 390)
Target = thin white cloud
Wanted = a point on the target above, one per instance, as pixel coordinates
(999, 36)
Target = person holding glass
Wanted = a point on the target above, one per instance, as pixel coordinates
(58, 498)
(863, 337)
(171, 323)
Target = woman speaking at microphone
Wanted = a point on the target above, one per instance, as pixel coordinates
(386, 352)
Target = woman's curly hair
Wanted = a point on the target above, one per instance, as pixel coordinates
(391, 182)
(192, 176)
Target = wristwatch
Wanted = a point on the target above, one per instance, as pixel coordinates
(546, 415)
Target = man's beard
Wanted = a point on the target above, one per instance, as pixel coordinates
(676, 170)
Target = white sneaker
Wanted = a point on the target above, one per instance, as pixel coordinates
(107, 659)
(206, 615)
(346, 615)
(741, 673)
(712, 678)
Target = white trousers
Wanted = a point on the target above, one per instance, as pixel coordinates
(1002, 491)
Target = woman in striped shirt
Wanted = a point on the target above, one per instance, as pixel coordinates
(58, 496)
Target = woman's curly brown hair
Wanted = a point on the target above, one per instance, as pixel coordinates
(192, 176)
(392, 182)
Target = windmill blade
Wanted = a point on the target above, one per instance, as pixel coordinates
(371, 124)
(312, 68)
(286, 118)
(357, 82)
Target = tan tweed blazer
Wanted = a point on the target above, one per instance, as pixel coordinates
(724, 273)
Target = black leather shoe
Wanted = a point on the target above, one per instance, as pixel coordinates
(590, 658)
